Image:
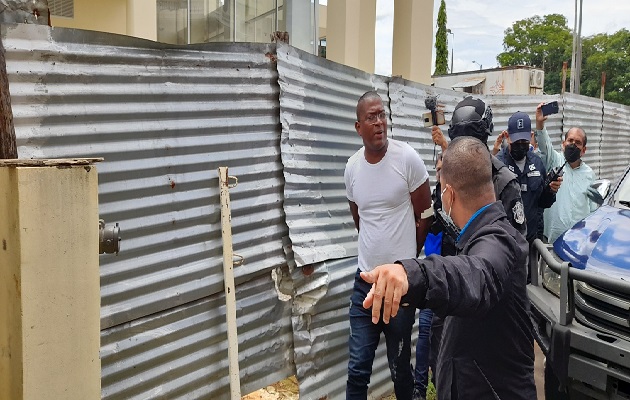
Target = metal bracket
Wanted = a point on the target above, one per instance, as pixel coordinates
(108, 238)
(566, 295)
(534, 265)
(232, 185)
(240, 260)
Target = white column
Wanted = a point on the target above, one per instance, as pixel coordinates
(413, 40)
(300, 23)
(350, 33)
(142, 19)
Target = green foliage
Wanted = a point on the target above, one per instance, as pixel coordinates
(431, 393)
(543, 42)
(441, 47)
(607, 53)
(546, 42)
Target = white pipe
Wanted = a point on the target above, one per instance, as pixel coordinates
(228, 278)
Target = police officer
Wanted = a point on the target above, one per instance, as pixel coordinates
(488, 346)
(471, 118)
(530, 171)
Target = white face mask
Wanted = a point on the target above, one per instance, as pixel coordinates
(442, 199)
(449, 225)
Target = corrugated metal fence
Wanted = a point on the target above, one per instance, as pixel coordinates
(165, 118)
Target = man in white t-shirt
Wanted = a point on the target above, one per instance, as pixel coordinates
(387, 186)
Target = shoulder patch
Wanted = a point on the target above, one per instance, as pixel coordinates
(519, 213)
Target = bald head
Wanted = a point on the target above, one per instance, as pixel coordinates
(576, 130)
(467, 167)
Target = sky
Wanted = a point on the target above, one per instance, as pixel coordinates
(478, 26)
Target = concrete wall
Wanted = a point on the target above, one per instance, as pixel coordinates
(112, 16)
(497, 81)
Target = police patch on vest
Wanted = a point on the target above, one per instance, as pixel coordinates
(519, 213)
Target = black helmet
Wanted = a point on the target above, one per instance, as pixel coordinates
(471, 118)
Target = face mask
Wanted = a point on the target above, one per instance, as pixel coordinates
(571, 153)
(518, 151)
(447, 222)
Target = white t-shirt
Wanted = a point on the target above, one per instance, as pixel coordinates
(382, 192)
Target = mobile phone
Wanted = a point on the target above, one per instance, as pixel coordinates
(549, 108)
(428, 119)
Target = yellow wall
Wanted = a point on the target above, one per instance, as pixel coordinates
(413, 40)
(111, 16)
(49, 283)
(350, 33)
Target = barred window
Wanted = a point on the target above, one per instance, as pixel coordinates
(61, 8)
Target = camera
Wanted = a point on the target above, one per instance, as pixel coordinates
(428, 119)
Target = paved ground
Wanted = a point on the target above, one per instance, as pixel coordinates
(288, 388)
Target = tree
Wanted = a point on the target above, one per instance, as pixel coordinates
(543, 42)
(441, 45)
(607, 53)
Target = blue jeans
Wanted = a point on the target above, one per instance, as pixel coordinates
(421, 374)
(364, 338)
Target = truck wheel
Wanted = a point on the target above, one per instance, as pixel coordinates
(552, 386)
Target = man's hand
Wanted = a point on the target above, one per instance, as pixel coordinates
(389, 285)
(438, 137)
(555, 185)
(497, 143)
(540, 119)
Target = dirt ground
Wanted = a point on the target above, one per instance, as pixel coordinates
(283, 390)
(288, 388)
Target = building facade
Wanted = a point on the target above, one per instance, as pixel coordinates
(342, 30)
(505, 80)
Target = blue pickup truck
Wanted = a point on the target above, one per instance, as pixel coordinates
(580, 302)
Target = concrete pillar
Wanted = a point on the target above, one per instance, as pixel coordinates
(49, 281)
(300, 23)
(142, 19)
(413, 40)
(350, 33)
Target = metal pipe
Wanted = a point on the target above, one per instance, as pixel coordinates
(275, 7)
(578, 57)
(189, 15)
(228, 279)
(606, 282)
(573, 51)
(8, 143)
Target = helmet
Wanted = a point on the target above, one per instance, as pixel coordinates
(471, 118)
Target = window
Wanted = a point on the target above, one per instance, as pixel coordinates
(218, 20)
(61, 8)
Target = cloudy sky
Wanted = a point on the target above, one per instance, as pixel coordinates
(479, 25)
